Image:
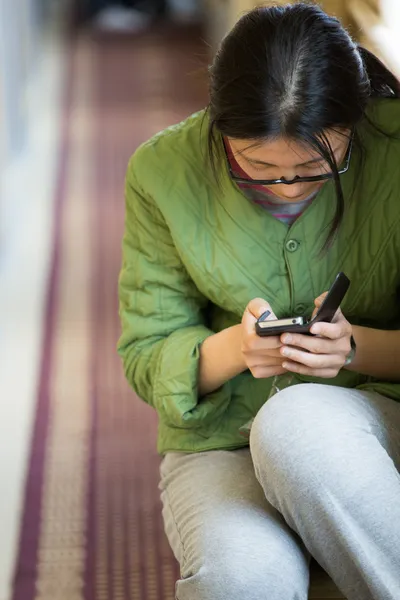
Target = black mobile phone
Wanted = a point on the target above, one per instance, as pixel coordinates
(301, 324)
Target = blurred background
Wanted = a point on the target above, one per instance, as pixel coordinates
(82, 84)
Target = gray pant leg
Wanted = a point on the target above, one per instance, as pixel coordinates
(230, 542)
(328, 459)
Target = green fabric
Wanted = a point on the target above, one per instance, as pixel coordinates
(195, 253)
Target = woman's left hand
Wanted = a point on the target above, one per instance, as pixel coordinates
(327, 349)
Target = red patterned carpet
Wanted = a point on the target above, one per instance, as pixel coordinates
(92, 524)
(91, 527)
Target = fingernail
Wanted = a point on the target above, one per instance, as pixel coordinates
(285, 351)
(315, 330)
(264, 315)
(287, 339)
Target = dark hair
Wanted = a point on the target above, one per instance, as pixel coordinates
(293, 71)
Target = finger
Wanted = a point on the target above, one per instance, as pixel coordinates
(254, 310)
(321, 298)
(317, 345)
(265, 372)
(318, 302)
(327, 373)
(262, 346)
(314, 361)
(266, 361)
(339, 316)
(338, 328)
(258, 306)
(260, 355)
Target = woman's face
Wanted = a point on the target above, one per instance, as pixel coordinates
(285, 158)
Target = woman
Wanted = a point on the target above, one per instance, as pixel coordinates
(290, 176)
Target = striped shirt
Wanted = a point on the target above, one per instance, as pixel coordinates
(284, 211)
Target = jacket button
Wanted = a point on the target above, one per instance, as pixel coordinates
(300, 308)
(292, 245)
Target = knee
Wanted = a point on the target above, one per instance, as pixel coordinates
(236, 576)
(221, 579)
(245, 555)
(293, 434)
(287, 417)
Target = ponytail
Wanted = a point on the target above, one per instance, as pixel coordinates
(383, 84)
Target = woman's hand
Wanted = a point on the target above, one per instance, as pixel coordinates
(327, 351)
(260, 354)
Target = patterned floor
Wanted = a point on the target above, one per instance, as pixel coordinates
(91, 528)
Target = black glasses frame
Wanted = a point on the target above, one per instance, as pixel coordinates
(297, 179)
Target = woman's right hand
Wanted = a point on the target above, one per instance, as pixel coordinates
(261, 354)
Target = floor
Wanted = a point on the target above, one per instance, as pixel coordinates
(30, 187)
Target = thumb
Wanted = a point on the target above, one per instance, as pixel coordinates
(258, 307)
(318, 301)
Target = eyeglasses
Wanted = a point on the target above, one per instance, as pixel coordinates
(297, 179)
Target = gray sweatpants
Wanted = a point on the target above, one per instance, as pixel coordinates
(321, 477)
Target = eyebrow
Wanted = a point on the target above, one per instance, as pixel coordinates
(254, 161)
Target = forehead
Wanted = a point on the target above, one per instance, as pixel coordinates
(282, 150)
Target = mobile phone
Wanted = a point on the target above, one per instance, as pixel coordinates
(301, 324)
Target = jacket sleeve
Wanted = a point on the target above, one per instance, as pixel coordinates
(162, 318)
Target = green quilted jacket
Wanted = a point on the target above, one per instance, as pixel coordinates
(196, 251)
